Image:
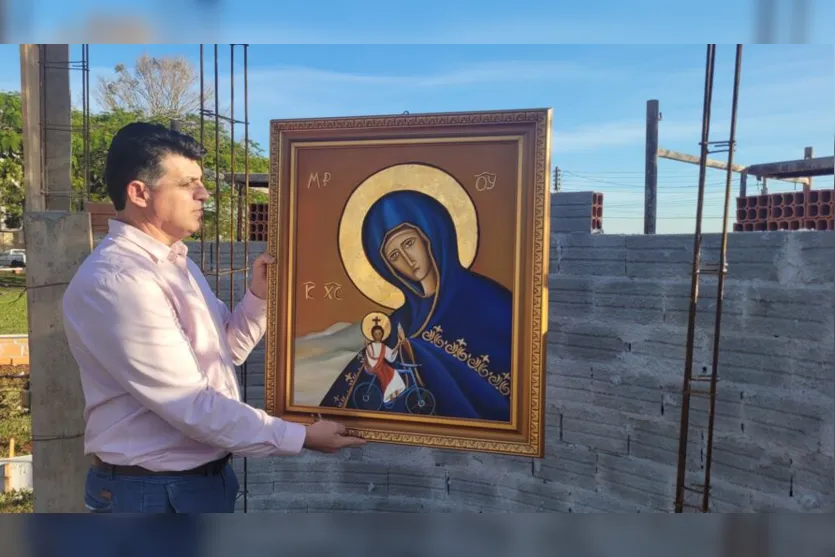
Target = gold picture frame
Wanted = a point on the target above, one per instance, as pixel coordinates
(355, 318)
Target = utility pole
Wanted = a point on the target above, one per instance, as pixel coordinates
(557, 179)
(651, 168)
(808, 153)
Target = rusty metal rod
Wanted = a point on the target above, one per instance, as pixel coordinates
(202, 159)
(217, 179)
(245, 234)
(720, 288)
(85, 115)
(232, 171)
(694, 284)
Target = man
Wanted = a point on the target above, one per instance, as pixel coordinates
(157, 349)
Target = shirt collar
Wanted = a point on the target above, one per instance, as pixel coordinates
(158, 251)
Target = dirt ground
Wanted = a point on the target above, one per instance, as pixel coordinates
(15, 423)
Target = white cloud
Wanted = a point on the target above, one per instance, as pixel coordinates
(292, 91)
(617, 133)
(482, 73)
(752, 132)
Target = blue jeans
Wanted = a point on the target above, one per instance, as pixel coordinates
(107, 492)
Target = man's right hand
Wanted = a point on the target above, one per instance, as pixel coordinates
(329, 437)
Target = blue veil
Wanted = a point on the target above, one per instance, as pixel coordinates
(460, 336)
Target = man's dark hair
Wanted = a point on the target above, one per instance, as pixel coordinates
(136, 153)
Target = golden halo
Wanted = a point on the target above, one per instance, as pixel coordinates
(413, 177)
(368, 323)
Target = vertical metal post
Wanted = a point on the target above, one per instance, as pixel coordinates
(651, 168)
(85, 107)
(202, 163)
(720, 289)
(694, 284)
(217, 179)
(232, 173)
(244, 367)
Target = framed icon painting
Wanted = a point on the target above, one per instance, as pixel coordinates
(408, 300)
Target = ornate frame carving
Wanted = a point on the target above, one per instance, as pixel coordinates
(534, 126)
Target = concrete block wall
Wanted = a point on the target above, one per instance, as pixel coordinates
(616, 348)
(577, 211)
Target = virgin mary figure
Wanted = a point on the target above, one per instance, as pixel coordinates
(455, 324)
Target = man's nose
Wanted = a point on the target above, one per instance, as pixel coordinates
(203, 193)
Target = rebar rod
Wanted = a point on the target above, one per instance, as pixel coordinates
(202, 159)
(720, 289)
(694, 284)
(245, 234)
(217, 178)
(232, 172)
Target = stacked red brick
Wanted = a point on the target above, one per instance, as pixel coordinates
(258, 222)
(812, 210)
(820, 209)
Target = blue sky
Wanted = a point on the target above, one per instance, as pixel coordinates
(598, 93)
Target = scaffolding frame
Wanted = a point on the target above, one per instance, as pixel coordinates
(238, 197)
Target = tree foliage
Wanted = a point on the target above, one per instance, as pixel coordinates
(167, 87)
(160, 95)
(11, 159)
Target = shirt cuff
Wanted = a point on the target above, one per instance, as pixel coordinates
(253, 305)
(294, 436)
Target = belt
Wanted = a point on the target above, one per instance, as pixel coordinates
(209, 469)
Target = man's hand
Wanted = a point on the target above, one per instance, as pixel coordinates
(329, 437)
(258, 285)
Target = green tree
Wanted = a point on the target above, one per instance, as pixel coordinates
(11, 159)
(103, 127)
(171, 82)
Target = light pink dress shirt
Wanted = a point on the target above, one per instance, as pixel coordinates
(156, 349)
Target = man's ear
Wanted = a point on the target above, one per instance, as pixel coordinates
(137, 193)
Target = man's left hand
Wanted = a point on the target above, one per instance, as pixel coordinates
(258, 286)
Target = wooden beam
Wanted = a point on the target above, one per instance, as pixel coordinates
(692, 159)
(720, 165)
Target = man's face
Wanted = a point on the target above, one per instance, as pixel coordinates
(174, 204)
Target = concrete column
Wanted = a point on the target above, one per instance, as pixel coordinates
(30, 89)
(57, 138)
(57, 243)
